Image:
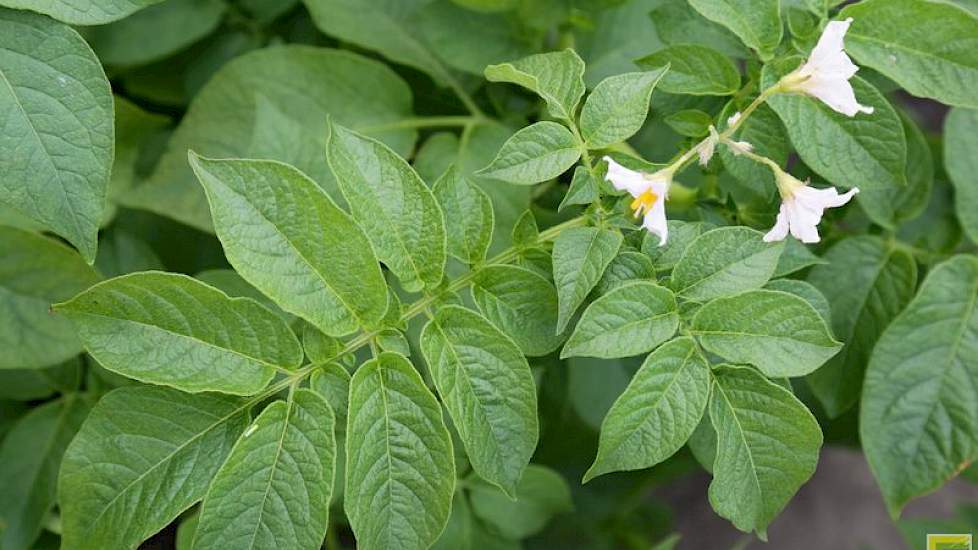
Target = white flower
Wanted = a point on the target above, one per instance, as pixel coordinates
(733, 119)
(739, 147)
(826, 74)
(802, 207)
(706, 147)
(649, 191)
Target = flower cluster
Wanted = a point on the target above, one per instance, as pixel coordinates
(824, 76)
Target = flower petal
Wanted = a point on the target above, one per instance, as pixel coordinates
(655, 221)
(831, 43)
(780, 229)
(837, 93)
(824, 198)
(625, 179)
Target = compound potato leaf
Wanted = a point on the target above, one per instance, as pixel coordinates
(725, 261)
(165, 328)
(617, 107)
(539, 152)
(469, 218)
(581, 255)
(285, 236)
(557, 77)
(486, 385)
(693, 70)
(57, 129)
(522, 303)
(400, 472)
(756, 22)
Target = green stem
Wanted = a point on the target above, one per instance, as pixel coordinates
(464, 97)
(423, 122)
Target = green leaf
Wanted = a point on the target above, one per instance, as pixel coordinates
(867, 282)
(82, 12)
(767, 447)
(386, 26)
(620, 33)
(584, 189)
(890, 206)
(617, 107)
(657, 412)
(694, 70)
(725, 261)
(690, 123)
(865, 151)
(486, 385)
(271, 219)
(273, 103)
(581, 255)
(29, 460)
(681, 234)
(557, 77)
(525, 231)
(677, 23)
(779, 333)
(155, 32)
(229, 282)
(539, 152)
(117, 495)
(805, 291)
(469, 218)
(628, 266)
(400, 473)
(796, 256)
(34, 384)
(630, 320)
(541, 494)
(756, 22)
(926, 47)
(274, 489)
(138, 137)
(397, 211)
(171, 329)
(58, 115)
(35, 272)
(918, 420)
(960, 139)
(121, 253)
(522, 304)
(332, 382)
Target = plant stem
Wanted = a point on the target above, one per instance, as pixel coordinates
(424, 122)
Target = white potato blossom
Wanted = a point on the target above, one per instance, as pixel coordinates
(649, 192)
(802, 207)
(706, 148)
(825, 75)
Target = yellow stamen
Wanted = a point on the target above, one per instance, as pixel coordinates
(643, 203)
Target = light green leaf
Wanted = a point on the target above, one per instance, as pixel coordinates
(274, 489)
(557, 77)
(961, 163)
(617, 107)
(82, 12)
(274, 221)
(273, 103)
(867, 282)
(522, 304)
(890, 206)
(690, 123)
(332, 382)
(725, 261)
(919, 410)
(681, 234)
(795, 257)
(155, 32)
(630, 320)
(34, 384)
(35, 272)
(756, 22)
(767, 447)
(486, 385)
(525, 231)
(581, 255)
(677, 23)
(171, 329)
(539, 152)
(29, 460)
(396, 209)
(657, 412)
(928, 48)
(468, 216)
(117, 495)
(57, 131)
(583, 189)
(694, 70)
(779, 333)
(868, 151)
(541, 494)
(628, 266)
(386, 26)
(229, 282)
(806, 291)
(400, 473)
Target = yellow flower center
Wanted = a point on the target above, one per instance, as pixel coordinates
(643, 203)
